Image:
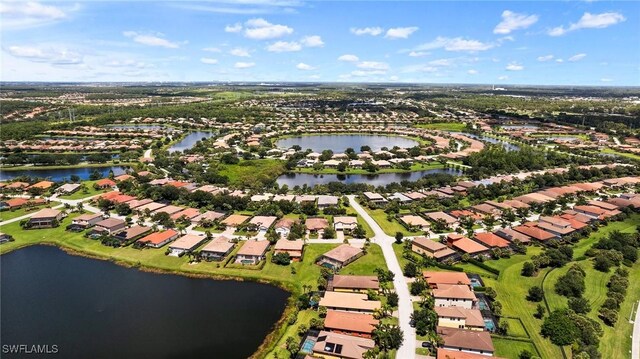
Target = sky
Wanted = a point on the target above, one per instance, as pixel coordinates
(491, 42)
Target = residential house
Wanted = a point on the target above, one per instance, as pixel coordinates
(349, 302)
(316, 224)
(491, 240)
(415, 221)
(235, 220)
(4, 238)
(104, 183)
(45, 218)
(44, 185)
(374, 197)
(263, 223)
(471, 341)
(447, 295)
(435, 216)
(511, 235)
(435, 279)
(466, 245)
(461, 318)
(217, 249)
(85, 221)
(132, 233)
(252, 252)
(341, 223)
(325, 201)
(335, 345)
(110, 226)
(354, 324)
(185, 244)
(294, 248)
(68, 188)
(538, 234)
(159, 239)
(431, 248)
(340, 256)
(353, 283)
(283, 227)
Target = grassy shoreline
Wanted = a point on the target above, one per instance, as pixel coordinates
(352, 171)
(60, 167)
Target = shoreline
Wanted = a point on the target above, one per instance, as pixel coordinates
(269, 342)
(88, 165)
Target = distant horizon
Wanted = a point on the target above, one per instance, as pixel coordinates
(526, 43)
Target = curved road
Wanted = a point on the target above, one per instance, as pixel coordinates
(405, 307)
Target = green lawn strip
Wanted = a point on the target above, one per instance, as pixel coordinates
(508, 348)
(444, 126)
(367, 264)
(389, 227)
(7, 215)
(252, 171)
(516, 328)
(623, 154)
(79, 194)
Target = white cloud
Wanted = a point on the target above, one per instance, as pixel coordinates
(394, 78)
(513, 21)
(418, 53)
(261, 29)
(366, 73)
(312, 41)
(545, 58)
(590, 21)
(373, 65)
(400, 32)
(237, 27)
(56, 56)
(503, 77)
(455, 44)
(150, 40)
(606, 79)
(211, 49)
(419, 68)
(304, 67)
(373, 31)
(244, 65)
(559, 61)
(127, 63)
(283, 46)
(514, 66)
(577, 57)
(26, 14)
(240, 52)
(441, 62)
(348, 58)
(472, 72)
(314, 77)
(208, 61)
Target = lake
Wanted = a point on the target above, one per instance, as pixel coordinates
(381, 179)
(57, 175)
(190, 140)
(96, 309)
(339, 143)
(507, 145)
(138, 127)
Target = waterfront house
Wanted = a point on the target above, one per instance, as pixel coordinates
(159, 239)
(447, 295)
(325, 201)
(294, 248)
(283, 227)
(435, 279)
(349, 302)
(431, 248)
(4, 238)
(341, 223)
(185, 244)
(340, 256)
(85, 221)
(461, 318)
(110, 226)
(217, 249)
(131, 233)
(252, 252)
(68, 188)
(104, 184)
(44, 185)
(353, 324)
(374, 197)
(45, 218)
(335, 345)
(353, 283)
(472, 341)
(13, 203)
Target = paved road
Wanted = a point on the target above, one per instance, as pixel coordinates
(635, 344)
(405, 308)
(147, 153)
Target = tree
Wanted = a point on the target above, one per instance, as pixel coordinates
(417, 287)
(528, 269)
(579, 305)
(608, 316)
(559, 328)
(525, 354)
(292, 346)
(399, 237)
(329, 233)
(536, 294)
(388, 337)
(425, 320)
(410, 270)
(540, 310)
(572, 283)
(282, 258)
(392, 300)
(359, 232)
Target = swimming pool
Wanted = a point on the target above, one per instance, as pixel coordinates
(307, 346)
(489, 324)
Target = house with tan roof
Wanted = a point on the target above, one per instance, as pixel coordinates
(472, 341)
(340, 256)
(412, 221)
(538, 234)
(207, 216)
(252, 252)
(349, 302)
(354, 324)
(235, 220)
(185, 244)
(217, 249)
(456, 295)
(170, 209)
(294, 248)
(110, 226)
(85, 221)
(341, 223)
(353, 283)
(431, 248)
(68, 188)
(132, 233)
(335, 345)
(511, 235)
(283, 227)
(435, 279)
(263, 223)
(435, 216)
(45, 218)
(461, 318)
(316, 224)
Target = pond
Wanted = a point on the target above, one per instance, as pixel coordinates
(58, 175)
(381, 179)
(520, 127)
(96, 309)
(507, 145)
(339, 143)
(138, 127)
(190, 140)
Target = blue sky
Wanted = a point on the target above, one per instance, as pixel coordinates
(493, 42)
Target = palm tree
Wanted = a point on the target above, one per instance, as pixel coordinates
(80, 207)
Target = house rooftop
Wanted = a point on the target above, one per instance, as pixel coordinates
(355, 281)
(253, 248)
(350, 322)
(343, 253)
(355, 301)
(435, 278)
(466, 339)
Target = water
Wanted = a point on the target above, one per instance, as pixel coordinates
(489, 324)
(190, 140)
(96, 309)
(507, 145)
(339, 143)
(563, 138)
(520, 127)
(139, 127)
(58, 175)
(382, 179)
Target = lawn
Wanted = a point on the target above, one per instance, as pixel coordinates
(250, 172)
(444, 126)
(90, 191)
(511, 349)
(7, 215)
(516, 329)
(389, 227)
(361, 221)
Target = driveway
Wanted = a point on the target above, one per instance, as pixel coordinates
(405, 308)
(635, 344)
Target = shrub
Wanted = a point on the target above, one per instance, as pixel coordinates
(536, 294)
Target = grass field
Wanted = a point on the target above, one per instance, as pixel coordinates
(293, 277)
(79, 194)
(623, 154)
(510, 349)
(444, 126)
(247, 173)
(516, 329)
(390, 227)
(7, 215)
